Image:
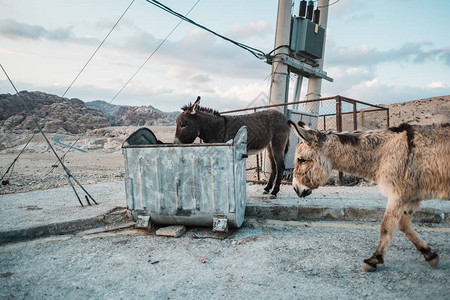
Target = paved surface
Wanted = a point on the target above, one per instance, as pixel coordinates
(265, 259)
(92, 252)
(57, 211)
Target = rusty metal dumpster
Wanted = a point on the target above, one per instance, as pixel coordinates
(189, 184)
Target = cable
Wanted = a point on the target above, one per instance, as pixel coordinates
(55, 165)
(15, 159)
(81, 71)
(328, 4)
(69, 175)
(159, 46)
(256, 52)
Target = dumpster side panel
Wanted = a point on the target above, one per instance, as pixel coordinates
(188, 184)
(240, 175)
(181, 185)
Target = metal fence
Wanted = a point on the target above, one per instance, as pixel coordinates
(336, 113)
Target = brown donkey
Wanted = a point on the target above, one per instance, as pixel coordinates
(266, 129)
(409, 163)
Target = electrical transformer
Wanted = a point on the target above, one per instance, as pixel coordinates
(307, 38)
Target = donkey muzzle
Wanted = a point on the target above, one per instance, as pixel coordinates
(302, 192)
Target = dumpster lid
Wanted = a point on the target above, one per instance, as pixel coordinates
(145, 138)
(142, 136)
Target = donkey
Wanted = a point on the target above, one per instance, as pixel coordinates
(266, 129)
(409, 163)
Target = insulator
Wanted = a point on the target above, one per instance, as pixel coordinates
(316, 17)
(302, 12)
(309, 11)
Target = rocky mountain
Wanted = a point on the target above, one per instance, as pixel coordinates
(120, 115)
(53, 113)
(63, 115)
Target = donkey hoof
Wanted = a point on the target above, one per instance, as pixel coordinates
(366, 267)
(265, 192)
(273, 196)
(434, 262)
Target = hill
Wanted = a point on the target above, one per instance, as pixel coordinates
(62, 115)
(120, 115)
(426, 111)
(54, 114)
(90, 123)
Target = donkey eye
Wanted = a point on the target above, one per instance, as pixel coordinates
(301, 160)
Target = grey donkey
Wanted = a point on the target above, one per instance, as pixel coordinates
(266, 129)
(409, 163)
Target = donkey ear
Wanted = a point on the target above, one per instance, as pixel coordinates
(304, 132)
(193, 108)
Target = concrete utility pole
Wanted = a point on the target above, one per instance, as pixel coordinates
(315, 84)
(280, 71)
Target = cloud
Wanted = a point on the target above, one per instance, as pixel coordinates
(349, 9)
(14, 29)
(200, 78)
(362, 55)
(245, 31)
(198, 52)
(374, 91)
(437, 85)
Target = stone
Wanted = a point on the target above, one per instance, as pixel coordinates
(220, 224)
(143, 222)
(171, 231)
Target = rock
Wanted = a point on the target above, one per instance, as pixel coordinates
(171, 231)
(54, 114)
(143, 222)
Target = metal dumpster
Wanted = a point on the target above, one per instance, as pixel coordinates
(189, 184)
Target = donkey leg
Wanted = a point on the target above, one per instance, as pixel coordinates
(388, 228)
(280, 170)
(273, 170)
(406, 227)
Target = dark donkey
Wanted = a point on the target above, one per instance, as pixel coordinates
(266, 129)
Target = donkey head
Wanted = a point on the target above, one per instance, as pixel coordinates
(312, 167)
(188, 128)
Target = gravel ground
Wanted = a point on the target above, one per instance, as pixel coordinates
(273, 260)
(34, 171)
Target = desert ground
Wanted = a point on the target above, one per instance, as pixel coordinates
(103, 160)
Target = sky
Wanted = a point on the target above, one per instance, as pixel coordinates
(379, 52)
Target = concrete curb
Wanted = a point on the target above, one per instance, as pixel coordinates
(36, 214)
(302, 213)
(115, 216)
(120, 215)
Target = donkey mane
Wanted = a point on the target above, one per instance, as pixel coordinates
(356, 137)
(409, 134)
(202, 109)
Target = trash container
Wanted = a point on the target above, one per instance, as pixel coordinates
(189, 184)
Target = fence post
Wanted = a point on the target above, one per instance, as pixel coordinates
(355, 117)
(387, 111)
(339, 126)
(338, 114)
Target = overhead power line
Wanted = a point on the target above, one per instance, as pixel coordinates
(69, 175)
(99, 46)
(256, 52)
(329, 4)
(14, 161)
(154, 51)
(81, 71)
